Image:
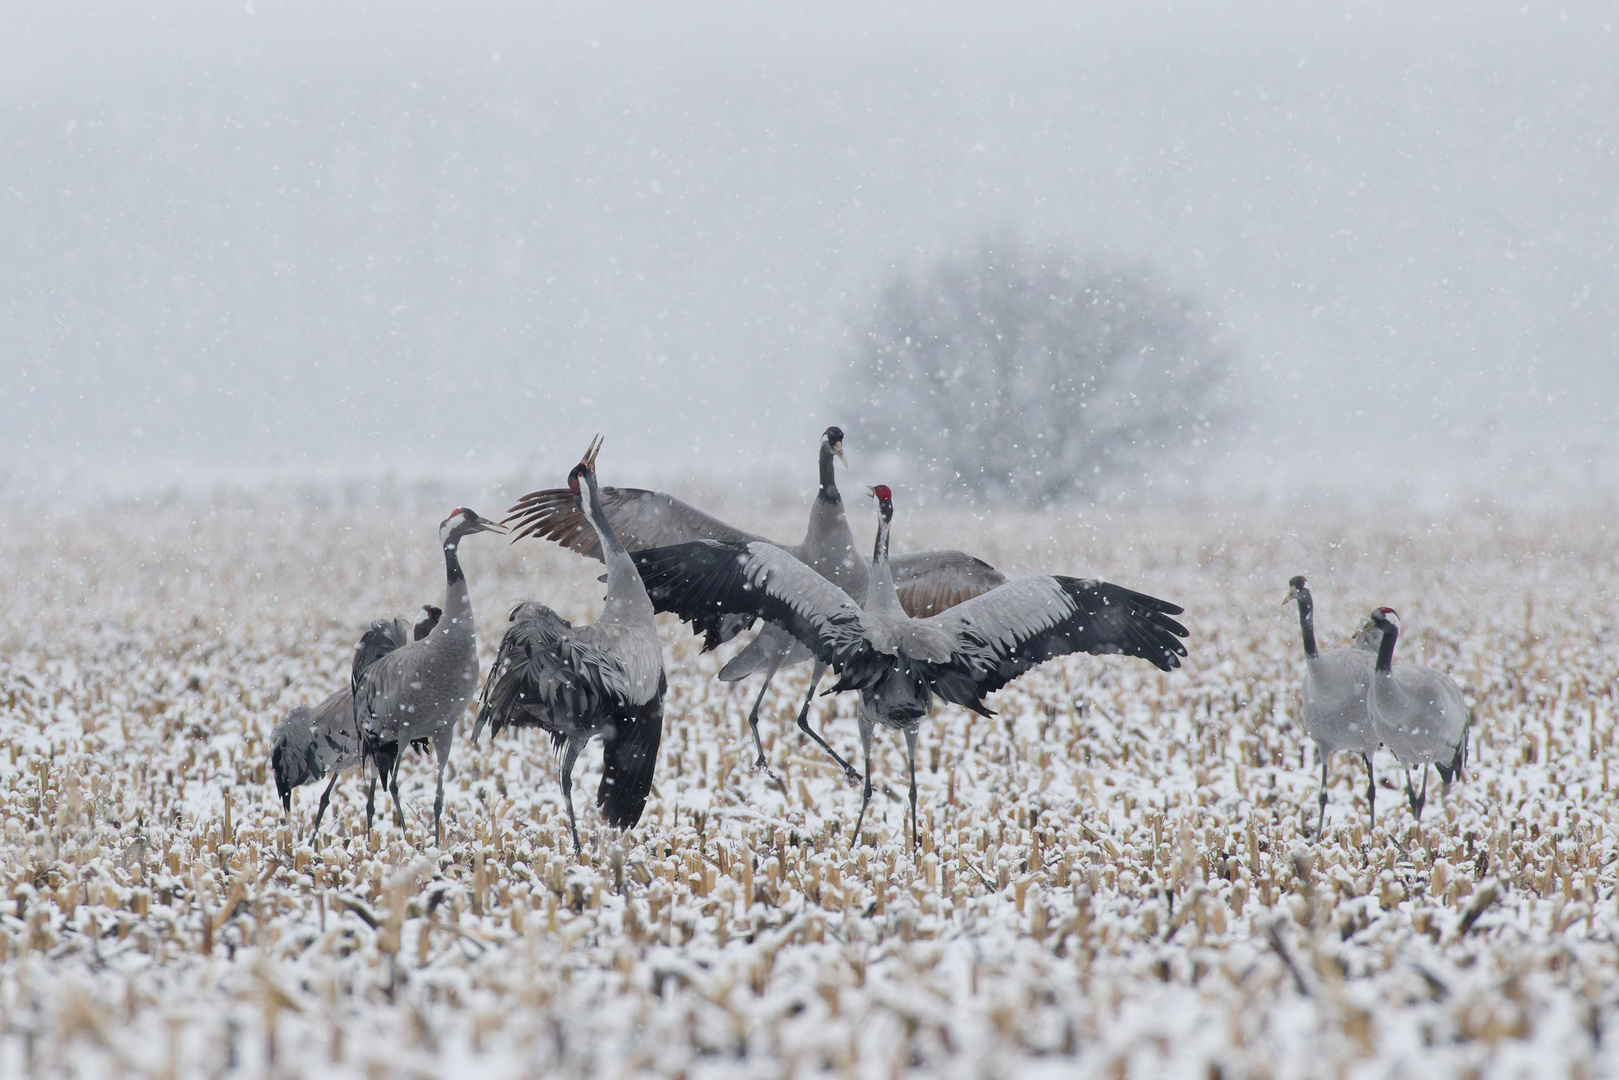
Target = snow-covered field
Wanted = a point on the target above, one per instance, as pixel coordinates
(1118, 874)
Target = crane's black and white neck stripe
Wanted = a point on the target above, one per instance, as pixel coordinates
(831, 446)
(1388, 622)
(1301, 592)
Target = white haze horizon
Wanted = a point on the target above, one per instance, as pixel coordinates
(261, 242)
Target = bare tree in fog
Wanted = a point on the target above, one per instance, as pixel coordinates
(1036, 374)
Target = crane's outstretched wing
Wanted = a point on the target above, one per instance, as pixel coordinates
(642, 519)
(1005, 632)
(545, 674)
(704, 581)
(929, 582)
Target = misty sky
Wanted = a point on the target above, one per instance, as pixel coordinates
(339, 232)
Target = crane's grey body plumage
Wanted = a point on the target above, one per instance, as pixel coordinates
(899, 663)
(1419, 713)
(418, 690)
(928, 582)
(577, 682)
(1334, 698)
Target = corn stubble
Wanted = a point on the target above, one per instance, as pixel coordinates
(1120, 866)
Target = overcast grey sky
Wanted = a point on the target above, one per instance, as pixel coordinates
(309, 233)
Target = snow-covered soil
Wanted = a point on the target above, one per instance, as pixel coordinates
(1117, 876)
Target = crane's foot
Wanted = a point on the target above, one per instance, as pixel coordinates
(761, 765)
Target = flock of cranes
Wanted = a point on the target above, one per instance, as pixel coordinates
(900, 630)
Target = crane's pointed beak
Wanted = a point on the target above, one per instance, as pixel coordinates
(1292, 595)
(589, 459)
(1369, 624)
(837, 448)
(485, 525)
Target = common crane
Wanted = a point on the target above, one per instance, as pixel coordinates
(1336, 683)
(577, 682)
(418, 690)
(1418, 712)
(899, 663)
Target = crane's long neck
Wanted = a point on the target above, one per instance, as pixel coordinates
(457, 600)
(1307, 623)
(624, 588)
(829, 546)
(880, 592)
(879, 549)
(1385, 651)
(829, 479)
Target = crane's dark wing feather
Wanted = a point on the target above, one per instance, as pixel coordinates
(546, 674)
(380, 639)
(629, 757)
(929, 582)
(642, 519)
(706, 580)
(1009, 630)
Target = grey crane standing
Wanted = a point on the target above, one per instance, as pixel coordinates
(311, 744)
(1419, 713)
(899, 663)
(418, 690)
(927, 582)
(1336, 684)
(577, 682)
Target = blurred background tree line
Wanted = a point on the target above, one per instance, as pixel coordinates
(1036, 374)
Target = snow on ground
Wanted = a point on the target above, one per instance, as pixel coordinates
(1117, 876)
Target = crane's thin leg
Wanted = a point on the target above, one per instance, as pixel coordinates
(1371, 790)
(753, 716)
(1321, 818)
(370, 802)
(803, 725)
(910, 760)
(1417, 801)
(441, 746)
(393, 789)
(569, 756)
(320, 811)
(753, 726)
(865, 800)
